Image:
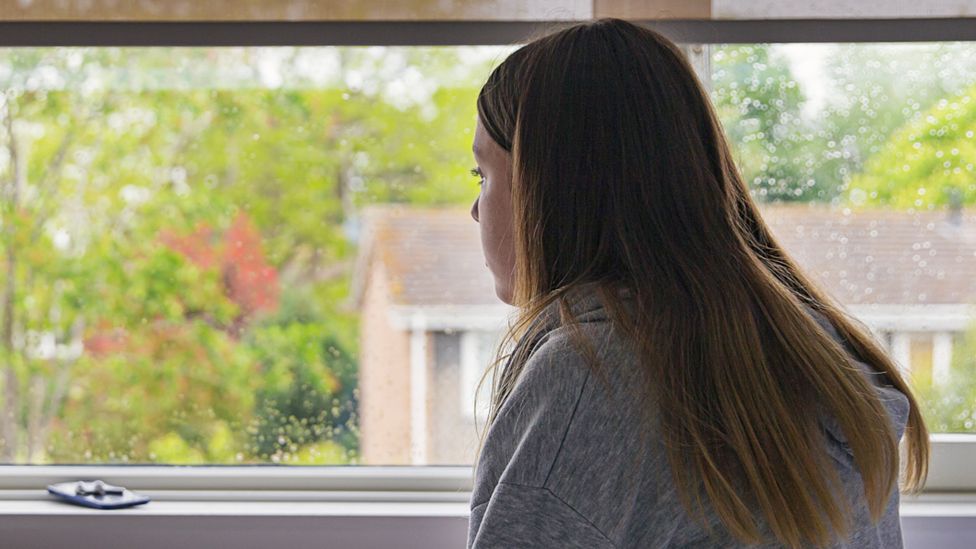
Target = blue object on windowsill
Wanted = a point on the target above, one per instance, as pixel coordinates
(96, 494)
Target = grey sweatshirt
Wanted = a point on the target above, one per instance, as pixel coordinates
(557, 466)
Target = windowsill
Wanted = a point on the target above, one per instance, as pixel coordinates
(215, 519)
(20, 502)
(48, 506)
(939, 505)
(361, 507)
(227, 520)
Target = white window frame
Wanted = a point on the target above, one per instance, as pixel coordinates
(952, 454)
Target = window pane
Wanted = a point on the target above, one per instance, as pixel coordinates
(863, 159)
(180, 230)
(265, 255)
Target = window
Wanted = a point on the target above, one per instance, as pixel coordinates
(863, 159)
(184, 227)
(236, 255)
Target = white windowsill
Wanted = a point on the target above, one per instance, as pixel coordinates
(950, 470)
(17, 502)
(248, 480)
(43, 522)
(939, 505)
(31, 519)
(48, 506)
(438, 492)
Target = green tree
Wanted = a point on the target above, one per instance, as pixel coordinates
(759, 103)
(128, 271)
(929, 162)
(872, 90)
(789, 152)
(308, 394)
(951, 407)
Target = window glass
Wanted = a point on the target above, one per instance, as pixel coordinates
(265, 255)
(863, 159)
(180, 231)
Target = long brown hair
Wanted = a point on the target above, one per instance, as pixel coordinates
(622, 178)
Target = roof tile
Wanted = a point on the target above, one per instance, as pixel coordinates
(434, 257)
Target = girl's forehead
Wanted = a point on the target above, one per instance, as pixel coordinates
(483, 146)
(480, 144)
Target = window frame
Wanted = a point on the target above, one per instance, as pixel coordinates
(423, 483)
(950, 472)
(952, 454)
(467, 32)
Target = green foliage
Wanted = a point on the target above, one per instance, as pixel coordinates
(759, 103)
(929, 162)
(875, 89)
(787, 151)
(308, 394)
(173, 449)
(951, 407)
(181, 251)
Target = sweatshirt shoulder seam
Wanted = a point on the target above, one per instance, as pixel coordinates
(569, 423)
(562, 442)
(579, 515)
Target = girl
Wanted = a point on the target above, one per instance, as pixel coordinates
(675, 379)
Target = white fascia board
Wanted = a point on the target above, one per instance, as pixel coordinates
(916, 318)
(887, 317)
(439, 318)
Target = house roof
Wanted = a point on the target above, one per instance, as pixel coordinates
(882, 256)
(433, 256)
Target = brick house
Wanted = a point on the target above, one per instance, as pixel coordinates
(430, 317)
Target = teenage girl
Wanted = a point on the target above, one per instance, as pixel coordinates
(674, 379)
